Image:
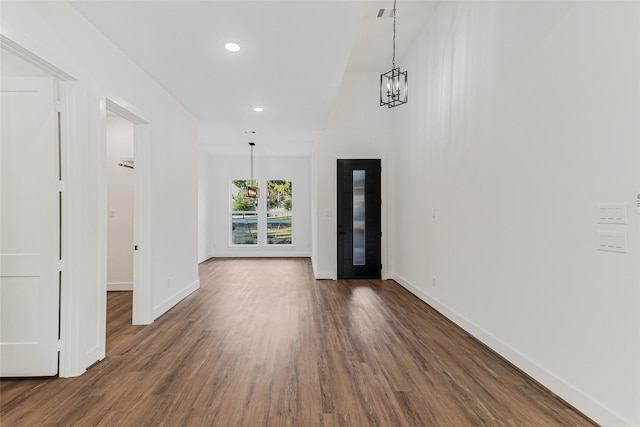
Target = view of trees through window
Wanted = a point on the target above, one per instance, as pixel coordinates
(246, 212)
(279, 215)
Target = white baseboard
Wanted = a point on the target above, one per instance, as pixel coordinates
(251, 253)
(162, 308)
(321, 275)
(581, 401)
(120, 286)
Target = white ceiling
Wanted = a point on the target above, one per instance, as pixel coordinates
(292, 59)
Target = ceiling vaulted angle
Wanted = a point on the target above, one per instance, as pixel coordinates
(393, 84)
(220, 88)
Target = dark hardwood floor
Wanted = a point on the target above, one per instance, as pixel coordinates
(264, 344)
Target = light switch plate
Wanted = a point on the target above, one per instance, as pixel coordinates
(611, 241)
(611, 213)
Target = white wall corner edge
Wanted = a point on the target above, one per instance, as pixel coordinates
(162, 308)
(579, 400)
(204, 258)
(320, 275)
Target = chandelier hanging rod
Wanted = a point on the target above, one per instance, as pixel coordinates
(252, 191)
(252, 144)
(393, 57)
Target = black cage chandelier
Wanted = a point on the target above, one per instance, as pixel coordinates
(393, 84)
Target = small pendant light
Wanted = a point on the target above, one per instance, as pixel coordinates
(393, 84)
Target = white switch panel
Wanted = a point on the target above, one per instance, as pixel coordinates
(612, 213)
(613, 241)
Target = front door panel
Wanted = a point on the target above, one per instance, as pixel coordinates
(359, 219)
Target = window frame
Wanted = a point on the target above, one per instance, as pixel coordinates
(232, 213)
(261, 213)
(266, 218)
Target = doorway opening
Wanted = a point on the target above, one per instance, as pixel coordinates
(120, 189)
(127, 257)
(120, 197)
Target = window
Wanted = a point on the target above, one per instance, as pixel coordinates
(359, 231)
(244, 214)
(267, 220)
(279, 214)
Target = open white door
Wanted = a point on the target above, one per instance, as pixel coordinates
(29, 228)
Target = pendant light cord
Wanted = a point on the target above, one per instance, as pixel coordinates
(251, 145)
(394, 36)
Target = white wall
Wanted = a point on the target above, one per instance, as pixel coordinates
(204, 207)
(219, 172)
(522, 117)
(55, 32)
(120, 205)
(358, 129)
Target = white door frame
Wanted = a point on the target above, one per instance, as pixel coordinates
(141, 209)
(73, 100)
(70, 364)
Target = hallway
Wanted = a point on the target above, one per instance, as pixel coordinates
(264, 344)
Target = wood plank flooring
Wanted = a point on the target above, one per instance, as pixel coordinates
(264, 344)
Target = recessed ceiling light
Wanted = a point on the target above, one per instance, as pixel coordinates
(258, 109)
(232, 47)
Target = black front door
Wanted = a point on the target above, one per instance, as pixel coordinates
(359, 219)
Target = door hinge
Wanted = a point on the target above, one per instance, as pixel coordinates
(60, 345)
(58, 106)
(60, 187)
(60, 265)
